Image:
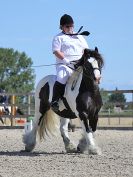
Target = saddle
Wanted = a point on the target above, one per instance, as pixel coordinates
(72, 81)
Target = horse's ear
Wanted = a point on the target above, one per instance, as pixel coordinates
(96, 49)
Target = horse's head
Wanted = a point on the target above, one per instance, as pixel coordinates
(86, 64)
(88, 53)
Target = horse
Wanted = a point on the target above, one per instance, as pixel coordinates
(81, 100)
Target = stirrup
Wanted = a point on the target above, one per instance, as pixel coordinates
(55, 106)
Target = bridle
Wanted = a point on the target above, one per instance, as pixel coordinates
(84, 68)
(91, 72)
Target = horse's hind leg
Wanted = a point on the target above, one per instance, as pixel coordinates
(69, 146)
(29, 138)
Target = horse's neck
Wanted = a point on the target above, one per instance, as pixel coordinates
(88, 84)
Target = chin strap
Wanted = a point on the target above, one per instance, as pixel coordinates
(84, 33)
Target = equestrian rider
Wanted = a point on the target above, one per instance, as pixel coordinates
(67, 48)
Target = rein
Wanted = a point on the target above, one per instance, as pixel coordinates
(90, 77)
(86, 75)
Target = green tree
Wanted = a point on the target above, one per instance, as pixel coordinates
(16, 74)
(118, 99)
(112, 99)
(105, 99)
(104, 95)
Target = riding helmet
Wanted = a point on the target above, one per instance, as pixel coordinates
(66, 19)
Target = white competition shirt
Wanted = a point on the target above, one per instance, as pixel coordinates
(71, 46)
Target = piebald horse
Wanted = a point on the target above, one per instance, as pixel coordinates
(81, 100)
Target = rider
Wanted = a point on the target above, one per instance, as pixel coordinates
(66, 48)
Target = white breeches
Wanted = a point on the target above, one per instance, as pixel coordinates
(63, 73)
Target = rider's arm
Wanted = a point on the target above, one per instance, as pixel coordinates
(56, 47)
(59, 54)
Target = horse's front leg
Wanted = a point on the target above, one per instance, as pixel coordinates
(69, 146)
(90, 142)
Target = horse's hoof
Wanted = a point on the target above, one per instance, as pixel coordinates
(82, 146)
(94, 150)
(29, 148)
(71, 148)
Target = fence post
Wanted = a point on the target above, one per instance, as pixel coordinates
(12, 109)
(29, 103)
(109, 116)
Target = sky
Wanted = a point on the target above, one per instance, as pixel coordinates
(30, 25)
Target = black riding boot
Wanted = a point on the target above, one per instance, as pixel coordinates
(58, 92)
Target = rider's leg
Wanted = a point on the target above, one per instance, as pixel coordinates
(63, 72)
(58, 92)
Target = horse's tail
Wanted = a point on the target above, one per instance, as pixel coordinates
(49, 124)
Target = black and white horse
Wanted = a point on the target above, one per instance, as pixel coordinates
(81, 100)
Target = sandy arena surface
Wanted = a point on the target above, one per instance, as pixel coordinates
(50, 160)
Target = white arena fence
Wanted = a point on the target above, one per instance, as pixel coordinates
(24, 102)
(20, 107)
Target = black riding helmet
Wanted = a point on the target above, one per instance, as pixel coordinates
(66, 20)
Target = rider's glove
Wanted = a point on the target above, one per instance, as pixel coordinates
(66, 61)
